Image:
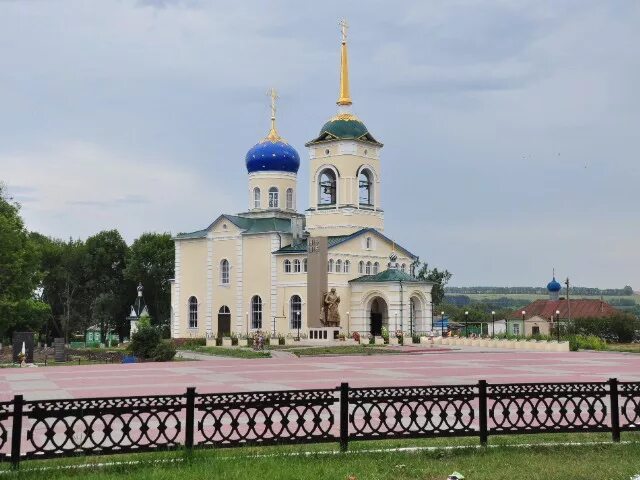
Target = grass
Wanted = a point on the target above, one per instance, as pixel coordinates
(234, 352)
(623, 347)
(539, 461)
(342, 350)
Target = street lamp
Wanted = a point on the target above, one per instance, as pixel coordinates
(298, 323)
(466, 320)
(493, 323)
(441, 324)
(558, 324)
(348, 326)
(523, 314)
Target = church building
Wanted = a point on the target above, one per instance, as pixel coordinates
(276, 269)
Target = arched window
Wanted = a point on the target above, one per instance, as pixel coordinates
(338, 266)
(256, 312)
(368, 269)
(376, 266)
(273, 197)
(327, 187)
(193, 312)
(224, 271)
(365, 185)
(347, 266)
(296, 266)
(287, 266)
(304, 265)
(403, 268)
(256, 197)
(361, 267)
(290, 198)
(368, 242)
(330, 265)
(295, 312)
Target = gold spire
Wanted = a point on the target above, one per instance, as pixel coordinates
(273, 133)
(345, 95)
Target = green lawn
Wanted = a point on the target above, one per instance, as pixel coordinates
(543, 462)
(624, 347)
(234, 352)
(342, 350)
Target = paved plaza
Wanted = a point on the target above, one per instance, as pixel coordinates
(219, 374)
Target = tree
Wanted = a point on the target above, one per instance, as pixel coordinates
(439, 277)
(151, 262)
(19, 307)
(627, 290)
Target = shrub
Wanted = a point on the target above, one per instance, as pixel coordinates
(164, 351)
(145, 340)
(591, 342)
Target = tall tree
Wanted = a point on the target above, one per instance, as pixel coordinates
(151, 262)
(19, 307)
(439, 277)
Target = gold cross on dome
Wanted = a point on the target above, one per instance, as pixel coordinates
(343, 28)
(274, 96)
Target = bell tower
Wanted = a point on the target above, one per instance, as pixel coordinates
(344, 173)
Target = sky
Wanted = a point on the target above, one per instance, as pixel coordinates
(510, 127)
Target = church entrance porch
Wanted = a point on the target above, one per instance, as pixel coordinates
(378, 316)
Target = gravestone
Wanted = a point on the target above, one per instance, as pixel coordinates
(58, 350)
(317, 278)
(28, 339)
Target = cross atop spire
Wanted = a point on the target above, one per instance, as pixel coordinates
(273, 133)
(345, 96)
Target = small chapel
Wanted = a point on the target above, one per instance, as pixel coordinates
(328, 270)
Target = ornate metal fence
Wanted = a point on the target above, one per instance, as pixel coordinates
(97, 426)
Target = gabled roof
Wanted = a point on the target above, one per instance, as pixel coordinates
(301, 247)
(248, 224)
(580, 308)
(389, 275)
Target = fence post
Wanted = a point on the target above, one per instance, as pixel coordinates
(615, 409)
(482, 411)
(190, 418)
(16, 430)
(344, 416)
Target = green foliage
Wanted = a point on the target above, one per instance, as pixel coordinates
(622, 328)
(19, 275)
(145, 341)
(439, 277)
(164, 351)
(590, 342)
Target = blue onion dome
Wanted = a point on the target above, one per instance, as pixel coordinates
(272, 154)
(554, 286)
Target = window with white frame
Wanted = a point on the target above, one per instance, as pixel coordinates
(368, 243)
(193, 312)
(376, 266)
(287, 266)
(256, 197)
(327, 187)
(361, 267)
(367, 270)
(347, 266)
(403, 268)
(273, 197)
(256, 312)
(304, 265)
(224, 271)
(295, 312)
(330, 265)
(290, 198)
(296, 266)
(338, 266)
(516, 329)
(365, 186)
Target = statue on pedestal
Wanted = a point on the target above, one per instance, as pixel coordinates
(330, 313)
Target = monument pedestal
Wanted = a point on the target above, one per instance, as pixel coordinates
(324, 333)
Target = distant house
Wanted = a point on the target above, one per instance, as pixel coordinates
(538, 317)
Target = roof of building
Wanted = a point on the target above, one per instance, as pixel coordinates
(580, 308)
(389, 275)
(301, 246)
(345, 127)
(248, 224)
(271, 155)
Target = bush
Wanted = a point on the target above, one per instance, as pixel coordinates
(145, 341)
(619, 328)
(164, 351)
(591, 342)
